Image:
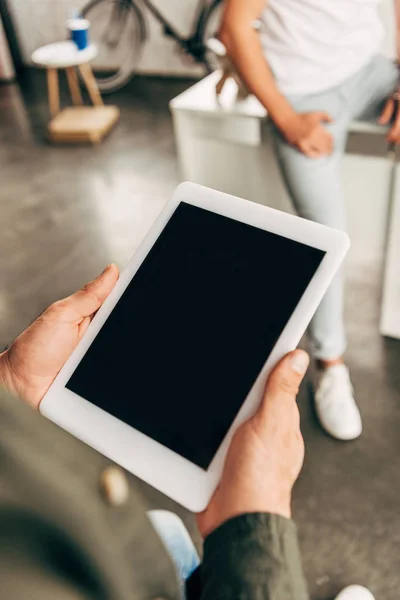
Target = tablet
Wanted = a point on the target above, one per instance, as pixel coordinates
(177, 357)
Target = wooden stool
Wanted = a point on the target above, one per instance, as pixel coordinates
(78, 124)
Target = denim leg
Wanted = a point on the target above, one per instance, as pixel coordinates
(177, 541)
(314, 184)
(315, 188)
(367, 99)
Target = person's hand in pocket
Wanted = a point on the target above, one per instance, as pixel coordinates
(306, 131)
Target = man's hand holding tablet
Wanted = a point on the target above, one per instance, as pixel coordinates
(177, 357)
(34, 360)
(266, 453)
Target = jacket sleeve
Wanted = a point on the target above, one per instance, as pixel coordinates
(251, 557)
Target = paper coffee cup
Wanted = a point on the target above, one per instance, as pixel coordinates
(79, 31)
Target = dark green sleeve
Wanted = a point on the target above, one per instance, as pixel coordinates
(251, 557)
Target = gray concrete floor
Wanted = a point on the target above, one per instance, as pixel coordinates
(66, 212)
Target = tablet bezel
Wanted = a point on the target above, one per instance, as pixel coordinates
(146, 458)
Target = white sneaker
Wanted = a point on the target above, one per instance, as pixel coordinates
(335, 404)
(355, 592)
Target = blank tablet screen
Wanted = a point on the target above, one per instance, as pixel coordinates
(180, 351)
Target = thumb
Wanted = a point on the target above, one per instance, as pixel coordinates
(88, 300)
(323, 117)
(285, 379)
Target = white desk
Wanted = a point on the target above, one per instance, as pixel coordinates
(228, 147)
(390, 315)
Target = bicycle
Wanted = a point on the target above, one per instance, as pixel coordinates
(119, 29)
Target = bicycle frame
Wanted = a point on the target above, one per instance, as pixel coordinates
(193, 45)
(171, 31)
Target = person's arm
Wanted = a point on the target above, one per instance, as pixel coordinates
(397, 15)
(391, 112)
(250, 548)
(252, 556)
(244, 48)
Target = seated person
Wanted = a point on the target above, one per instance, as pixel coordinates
(315, 66)
(70, 527)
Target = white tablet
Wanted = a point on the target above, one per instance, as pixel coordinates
(177, 357)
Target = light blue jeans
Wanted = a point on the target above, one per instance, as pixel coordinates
(314, 184)
(178, 543)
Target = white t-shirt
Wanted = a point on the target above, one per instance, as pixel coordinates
(314, 45)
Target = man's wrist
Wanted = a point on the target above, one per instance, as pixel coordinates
(276, 501)
(281, 508)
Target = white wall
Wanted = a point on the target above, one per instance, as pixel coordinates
(42, 21)
(6, 65)
(388, 18)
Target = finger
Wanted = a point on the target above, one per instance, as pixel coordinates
(324, 145)
(394, 133)
(284, 381)
(397, 111)
(306, 149)
(323, 117)
(319, 145)
(88, 300)
(312, 152)
(322, 140)
(83, 326)
(387, 112)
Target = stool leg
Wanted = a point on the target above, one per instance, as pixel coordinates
(73, 85)
(91, 84)
(220, 85)
(53, 91)
(243, 92)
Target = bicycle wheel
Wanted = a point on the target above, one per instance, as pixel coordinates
(209, 27)
(118, 29)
